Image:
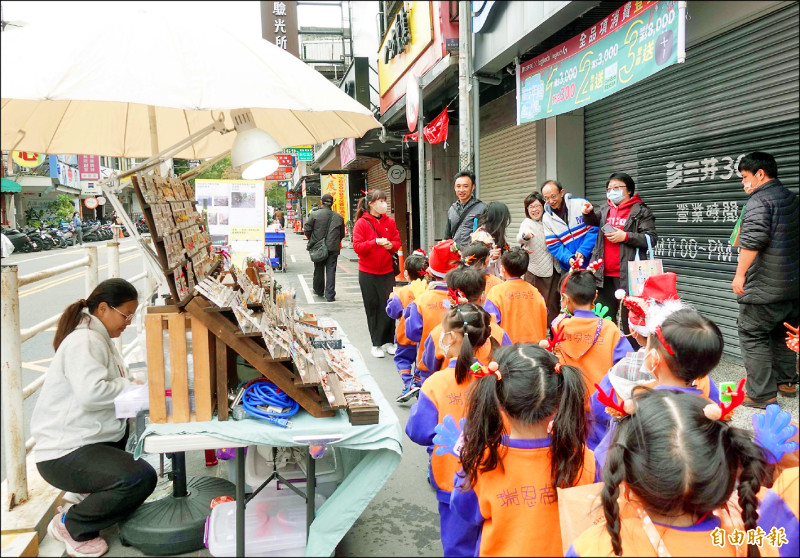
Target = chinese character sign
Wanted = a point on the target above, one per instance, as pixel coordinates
(279, 25)
(89, 167)
(634, 42)
(336, 186)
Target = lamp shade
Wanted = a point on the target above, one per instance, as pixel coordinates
(260, 168)
(250, 145)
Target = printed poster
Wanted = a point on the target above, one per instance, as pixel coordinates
(336, 186)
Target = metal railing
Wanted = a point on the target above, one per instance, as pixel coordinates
(13, 392)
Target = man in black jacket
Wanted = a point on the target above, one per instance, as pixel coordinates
(463, 215)
(325, 223)
(766, 281)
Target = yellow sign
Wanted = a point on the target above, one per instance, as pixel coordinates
(421, 30)
(247, 233)
(27, 158)
(336, 186)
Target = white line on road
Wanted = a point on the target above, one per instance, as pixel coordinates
(309, 296)
(294, 260)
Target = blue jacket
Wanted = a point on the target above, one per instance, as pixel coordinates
(564, 239)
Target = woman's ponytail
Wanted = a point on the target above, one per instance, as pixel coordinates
(570, 428)
(68, 322)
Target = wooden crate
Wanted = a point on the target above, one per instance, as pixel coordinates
(205, 364)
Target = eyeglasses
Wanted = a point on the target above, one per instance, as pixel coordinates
(551, 198)
(613, 188)
(128, 318)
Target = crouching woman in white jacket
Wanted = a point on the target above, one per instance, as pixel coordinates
(80, 444)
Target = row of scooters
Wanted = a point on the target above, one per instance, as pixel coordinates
(49, 236)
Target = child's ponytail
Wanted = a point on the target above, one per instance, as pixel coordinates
(570, 428)
(475, 324)
(753, 473)
(613, 475)
(483, 429)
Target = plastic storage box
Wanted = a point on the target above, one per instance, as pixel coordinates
(274, 237)
(274, 525)
(258, 467)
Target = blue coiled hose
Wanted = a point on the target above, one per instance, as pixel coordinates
(267, 393)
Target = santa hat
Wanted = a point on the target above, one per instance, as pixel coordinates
(444, 257)
(658, 300)
(419, 252)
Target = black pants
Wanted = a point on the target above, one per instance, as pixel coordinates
(762, 340)
(325, 276)
(548, 288)
(116, 483)
(606, 297)
(375, 291)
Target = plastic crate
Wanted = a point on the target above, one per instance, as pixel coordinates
(275, 262)
(258, 466)
(274, 237)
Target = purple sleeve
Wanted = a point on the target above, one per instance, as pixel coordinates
(422, 421)
(602, 448)
(506, 340)
(404, 357)
(773, 512)
(490, 307)
(571, 552)
(623, 348)
(394, 307)
(429, 359)
(465, 504)
(413, 323)
(598, 471)
(713, 391)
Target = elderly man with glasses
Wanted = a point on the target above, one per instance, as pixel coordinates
(566, 235)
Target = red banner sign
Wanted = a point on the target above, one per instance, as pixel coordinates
(283, 173)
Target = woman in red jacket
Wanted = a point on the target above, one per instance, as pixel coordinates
(375, 239)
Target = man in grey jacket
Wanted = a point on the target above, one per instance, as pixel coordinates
(325, 223)
(766, 281)
(462, 217)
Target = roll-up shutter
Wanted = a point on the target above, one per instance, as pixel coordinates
(680, 135)
(508, 170)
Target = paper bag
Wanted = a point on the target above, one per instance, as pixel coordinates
(640, 270)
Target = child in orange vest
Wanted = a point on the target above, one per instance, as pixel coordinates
(678, 461)
(469, 282)
(587, 341)
(509, 479)
(477, 255)
(464, 327)
(518, 306)
(415, 273)
(426, 311)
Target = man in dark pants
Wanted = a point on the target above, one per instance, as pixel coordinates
(325, 223)
(766, 281)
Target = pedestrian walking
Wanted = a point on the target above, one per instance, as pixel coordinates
(328, 226)
(766, 281)
(278, 216)
(566, 235)
(80, 444)
(375, 240)
(544, 271)
(78, 226)
(633, 223)
(463, 215)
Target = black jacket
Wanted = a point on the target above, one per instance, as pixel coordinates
(770, 227)
(320, 221)
(640, 221)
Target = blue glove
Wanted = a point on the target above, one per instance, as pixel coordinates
(449, 436)
(772, 430)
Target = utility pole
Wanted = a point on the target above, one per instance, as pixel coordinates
(465, 85)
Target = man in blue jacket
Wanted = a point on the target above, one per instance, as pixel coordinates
(766, 283)
(566, 234)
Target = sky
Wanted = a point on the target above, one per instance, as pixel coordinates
(245, 16)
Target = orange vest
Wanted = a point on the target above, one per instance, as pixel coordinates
(430, 312)
(492, 280)
(523, 312)
(483, 353)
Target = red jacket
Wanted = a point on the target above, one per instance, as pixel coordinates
(371, 257)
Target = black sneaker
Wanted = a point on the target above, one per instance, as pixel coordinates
(408, 392)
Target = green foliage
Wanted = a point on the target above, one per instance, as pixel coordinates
(275, 195)
(216, 170)
(61, 208)
(33, 218)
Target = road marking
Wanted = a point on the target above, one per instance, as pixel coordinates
(66, 279)
(294, 260)
(306, 290)
(343, 268)
(57, 251)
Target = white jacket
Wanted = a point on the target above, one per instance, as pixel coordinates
(76, 405)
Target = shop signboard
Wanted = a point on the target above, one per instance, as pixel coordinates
(634, 42)
(90, 188)
(347, 151)
(292, 195)
(235, 209)
(27, 159)
(65, 173)
(336, 186)
(285, 159)
(302, 152)
(283, 173)
(89, 167)
(408, 36)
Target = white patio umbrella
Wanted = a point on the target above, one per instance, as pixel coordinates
(140, 84)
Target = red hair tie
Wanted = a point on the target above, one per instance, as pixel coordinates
(365, 192)
(558, 368)
(660, 336)
(479, 371)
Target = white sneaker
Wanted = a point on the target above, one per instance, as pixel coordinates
(390, 348)
(377, 352)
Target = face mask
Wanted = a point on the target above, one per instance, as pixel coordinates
(444, 347)
(643, 369)
(380, 207)
(749, 188)
(615, 196)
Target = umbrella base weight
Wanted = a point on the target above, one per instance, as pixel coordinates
(174, 525)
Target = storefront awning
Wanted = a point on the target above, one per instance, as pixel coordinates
(9, 185)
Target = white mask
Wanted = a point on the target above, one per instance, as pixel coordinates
(748, 187)
(615, 196)
(643, 369)
(444, 347)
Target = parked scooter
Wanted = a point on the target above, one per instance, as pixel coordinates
(21, 241)
(37, 240)
(92, 233)
(58, 237)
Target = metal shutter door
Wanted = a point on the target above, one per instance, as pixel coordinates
(508, 170)
(736, 93)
